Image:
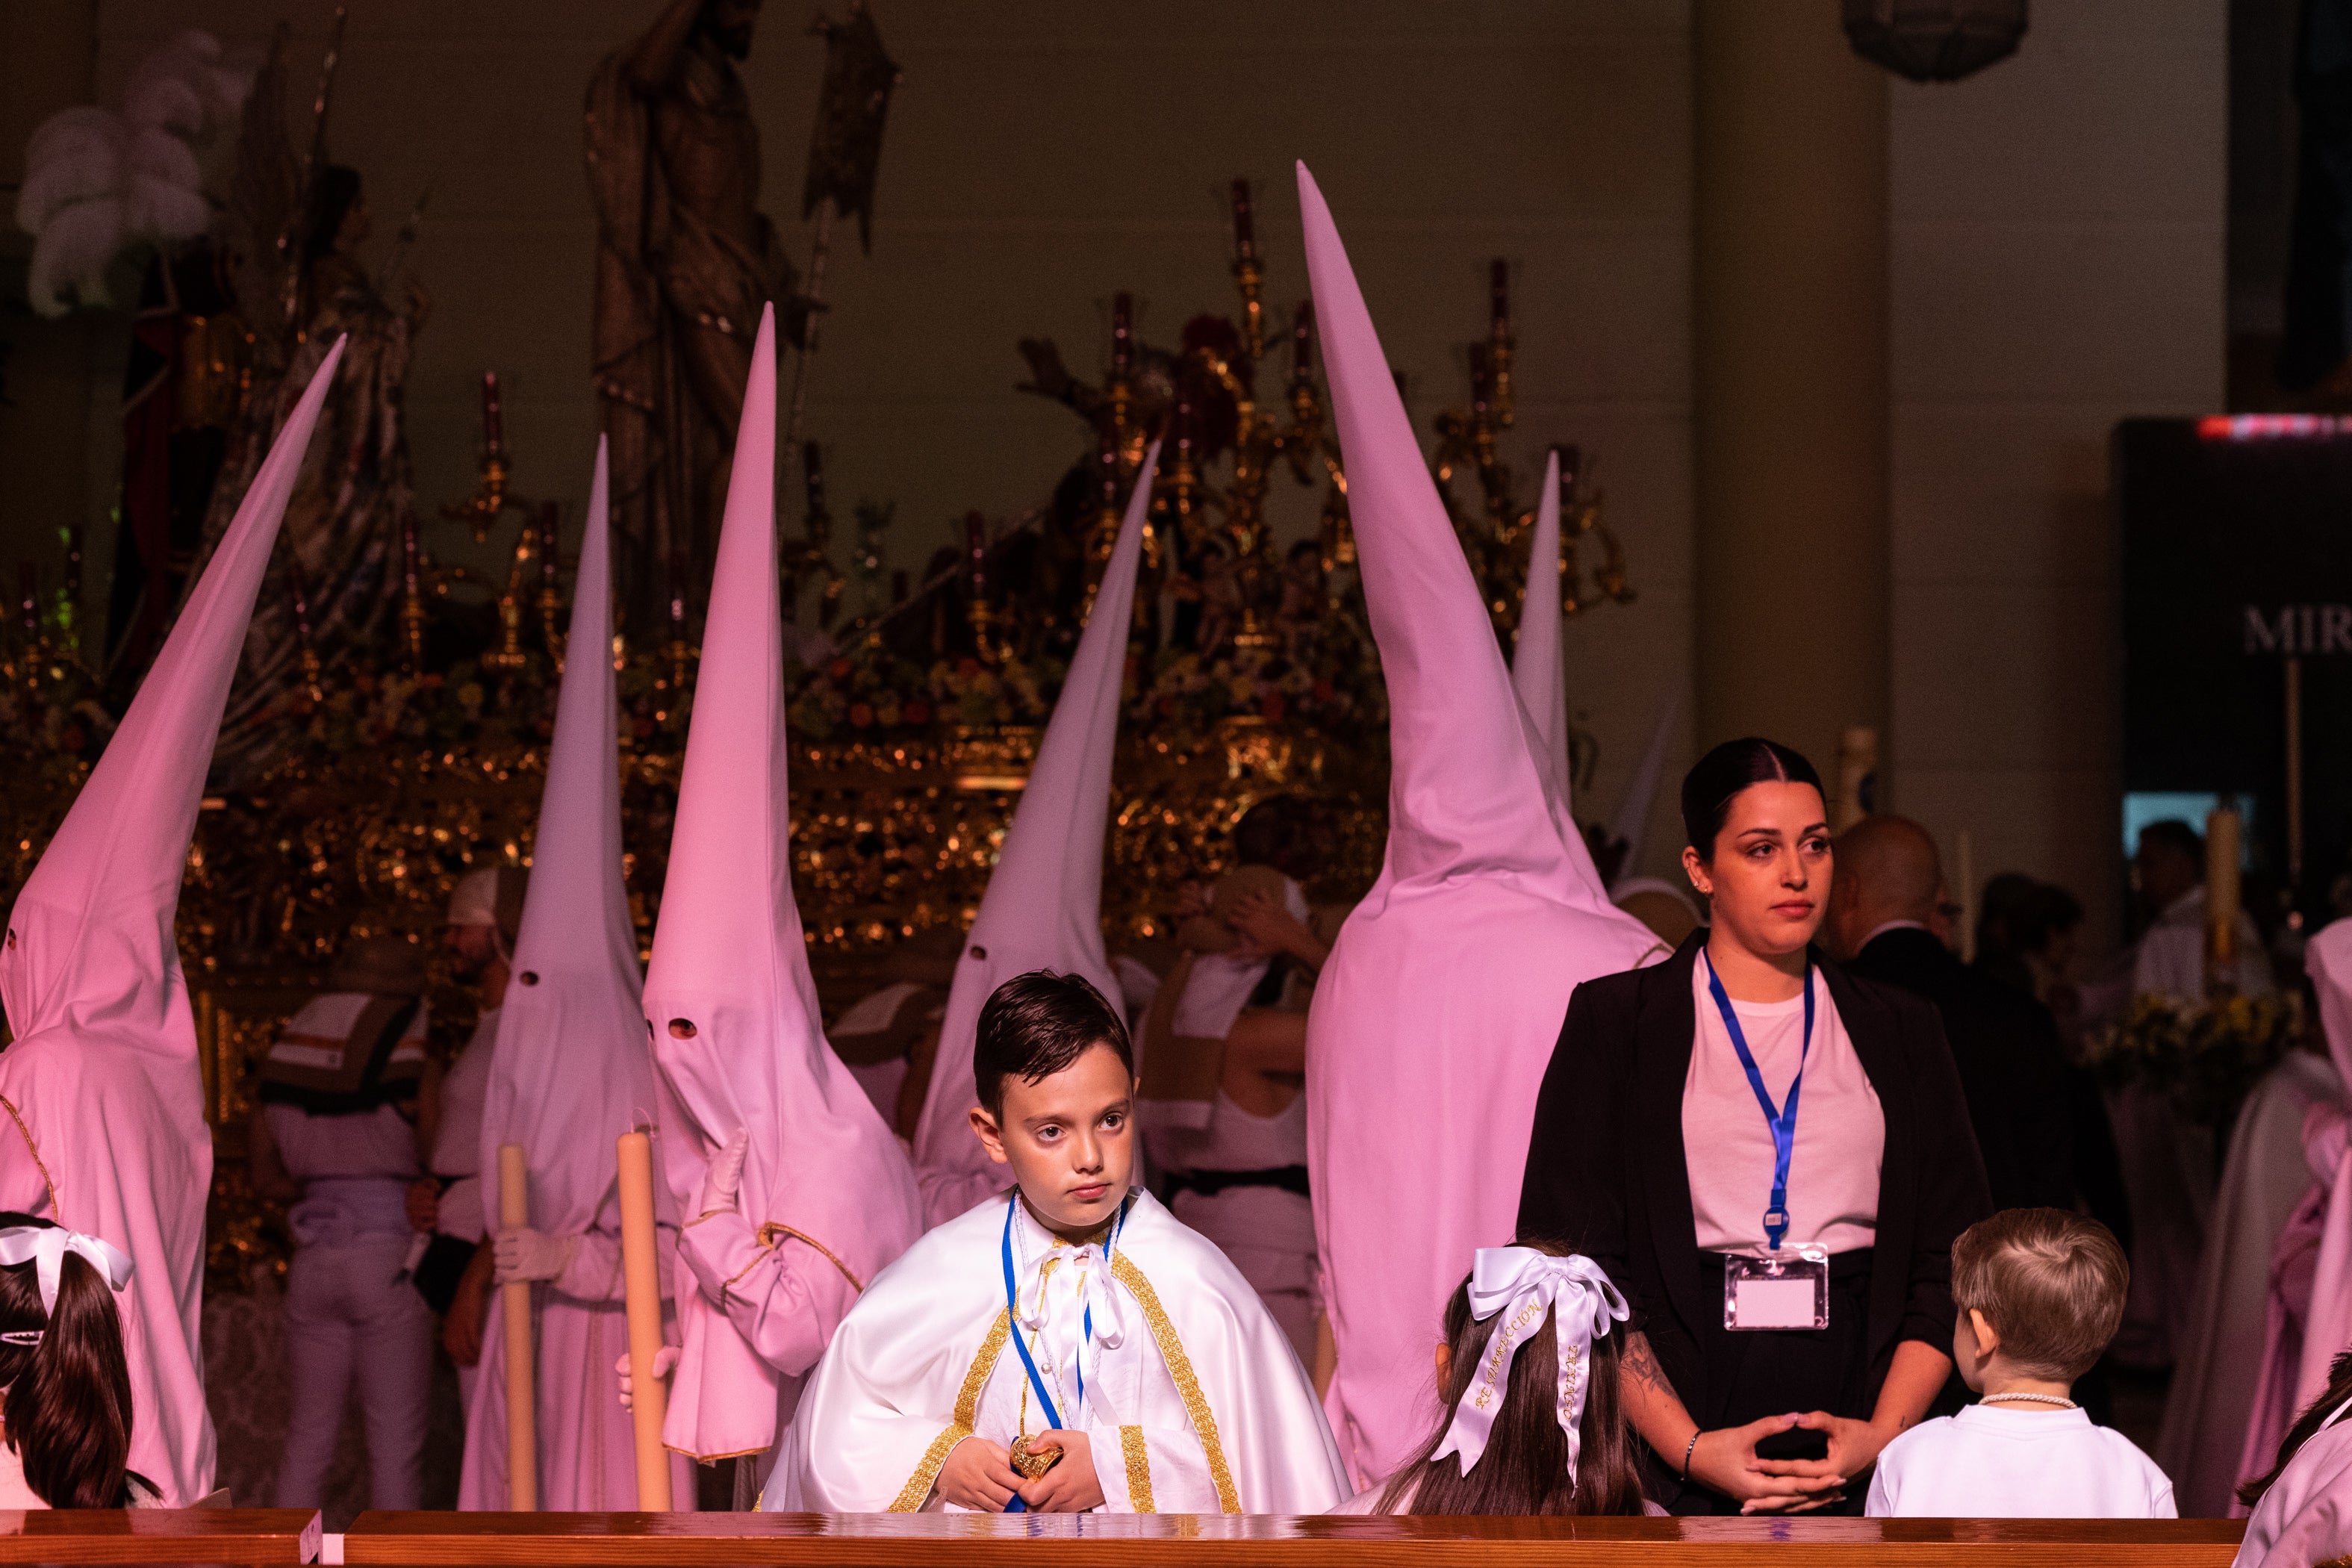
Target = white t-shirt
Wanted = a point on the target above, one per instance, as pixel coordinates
(1994, 1462)
(1728, 1146)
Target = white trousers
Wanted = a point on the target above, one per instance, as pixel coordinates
(348, 1317)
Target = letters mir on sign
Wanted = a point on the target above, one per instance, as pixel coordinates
(2299, 629)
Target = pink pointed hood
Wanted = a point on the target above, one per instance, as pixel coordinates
(109, 1135)
(90, 946)
(1536, 662)
(1043, 908)
(1631, 823)
(1437, 1012)
(1542, 690)
(2328, 1328)
(571, 1072)
(728, 1001)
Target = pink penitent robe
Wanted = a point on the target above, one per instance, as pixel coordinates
(827, 1197)
(102, 1083)
(1435, 1017)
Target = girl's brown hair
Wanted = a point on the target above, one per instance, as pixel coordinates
(68, 1406)
(2339, 1389)
(1524, 1468)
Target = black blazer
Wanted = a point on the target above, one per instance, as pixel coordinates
(1607, 1172)
(2011, 1066)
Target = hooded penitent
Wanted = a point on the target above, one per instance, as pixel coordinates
(2308, 1307)
(571, 1074)
(1443, 998)
(729, 1000)
(1043, 908)
(102, 1082)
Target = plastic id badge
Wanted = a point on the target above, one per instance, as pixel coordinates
(1789, 1289)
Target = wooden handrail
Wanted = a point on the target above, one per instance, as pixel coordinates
(1267, 1541)
(229, 1535)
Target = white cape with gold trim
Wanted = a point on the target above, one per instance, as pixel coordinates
(1202, 1407)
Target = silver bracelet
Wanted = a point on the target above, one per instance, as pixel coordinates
(1688, 1449)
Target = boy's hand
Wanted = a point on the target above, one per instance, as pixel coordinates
(979, 1474)
(1070, 1487)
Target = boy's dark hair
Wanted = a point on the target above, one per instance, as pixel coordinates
(2052, 1283)
(1037, 1023)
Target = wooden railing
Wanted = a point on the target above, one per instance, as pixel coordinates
(1166, 1541)
(228, 1535)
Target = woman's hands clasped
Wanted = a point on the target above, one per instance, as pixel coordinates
(1726, 1461)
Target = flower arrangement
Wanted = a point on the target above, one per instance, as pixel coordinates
(2205, 1057)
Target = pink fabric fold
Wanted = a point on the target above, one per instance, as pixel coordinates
(1437, 1013)
(729, 1000)
(1043, 908)
(102, 1077)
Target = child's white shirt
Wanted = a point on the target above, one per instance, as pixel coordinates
(1989, 1462)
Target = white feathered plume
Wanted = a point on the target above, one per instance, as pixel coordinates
(98, 181)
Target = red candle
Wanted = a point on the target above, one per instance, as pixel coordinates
(1245, 236)
(1122, 334)
(676, 597)
(1302, 336)
(493, 429)
(1179, 427)
(1499, 291)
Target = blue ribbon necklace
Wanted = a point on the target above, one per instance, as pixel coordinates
(1783, 1121)
(1012, 1312)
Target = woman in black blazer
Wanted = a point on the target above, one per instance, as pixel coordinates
(1653, 1154)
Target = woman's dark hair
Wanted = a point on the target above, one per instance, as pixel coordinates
(2339, 1389)
(1710, 787)
(67, 1407)
(1037, 1023)
(331, 203)
(1524, 1468)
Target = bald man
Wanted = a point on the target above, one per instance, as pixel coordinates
(1888, 885)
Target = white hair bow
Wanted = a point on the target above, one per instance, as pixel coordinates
(1526, 1287)
(45, 1246)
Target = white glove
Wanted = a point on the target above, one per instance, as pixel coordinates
(722, 1179)
(522, 1253)
(665, 1363)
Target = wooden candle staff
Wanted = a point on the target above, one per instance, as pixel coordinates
(641, 1281)
(522, 1406)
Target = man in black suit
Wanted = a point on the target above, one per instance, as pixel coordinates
(1883, 897)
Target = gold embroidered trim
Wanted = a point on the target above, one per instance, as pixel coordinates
(56, 1212)
(1139, 1470)
(1180, 1368)
(772, 1234)
(918, 1490)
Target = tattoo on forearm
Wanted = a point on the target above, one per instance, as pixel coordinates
(1642, 1366)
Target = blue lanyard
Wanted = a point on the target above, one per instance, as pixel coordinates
(1012, 1312)
(1783, 1122)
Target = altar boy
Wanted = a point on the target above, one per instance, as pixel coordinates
(1066, 1345)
